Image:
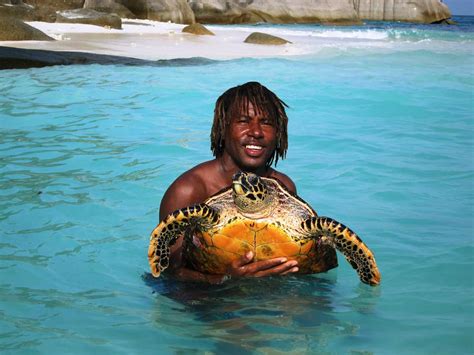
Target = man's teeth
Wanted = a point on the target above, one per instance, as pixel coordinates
(257, 147)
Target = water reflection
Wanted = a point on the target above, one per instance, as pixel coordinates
(297, 313)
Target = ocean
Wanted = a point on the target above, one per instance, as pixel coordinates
(380, 138)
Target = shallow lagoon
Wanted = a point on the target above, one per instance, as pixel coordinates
(380, 138)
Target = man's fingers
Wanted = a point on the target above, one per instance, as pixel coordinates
(282, 269)
(245, 266)
(276, 263)
(290, 271)
(277, 266)
(243, 260)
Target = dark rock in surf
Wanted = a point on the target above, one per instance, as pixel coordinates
(264, 38)
(89, 17)
(197, 29)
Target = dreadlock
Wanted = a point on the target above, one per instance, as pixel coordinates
(236, 101)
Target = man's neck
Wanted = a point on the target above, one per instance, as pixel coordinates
(228, 168)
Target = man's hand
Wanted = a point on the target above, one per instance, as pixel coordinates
(245, 267)
(242, 267)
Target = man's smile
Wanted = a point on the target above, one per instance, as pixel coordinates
(254, 150)
(254, 147)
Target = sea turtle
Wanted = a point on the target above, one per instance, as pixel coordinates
(261, 215)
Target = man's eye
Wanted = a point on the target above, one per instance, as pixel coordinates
(267, 121)
(243, 119)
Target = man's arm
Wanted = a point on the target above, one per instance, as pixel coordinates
(187, 190)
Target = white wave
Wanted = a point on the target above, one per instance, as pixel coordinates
(323, 33)
(359, 34)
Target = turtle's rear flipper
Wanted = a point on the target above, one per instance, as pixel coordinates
(171, 228)
(348, 243)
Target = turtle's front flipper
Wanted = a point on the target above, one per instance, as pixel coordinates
(348, 243)
(174, 225)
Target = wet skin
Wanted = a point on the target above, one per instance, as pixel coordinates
(250, 140)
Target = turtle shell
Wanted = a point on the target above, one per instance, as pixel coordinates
(276, 234)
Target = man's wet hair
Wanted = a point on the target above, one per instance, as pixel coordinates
(235, 101)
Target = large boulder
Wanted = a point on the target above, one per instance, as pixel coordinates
(421, 11)
(17, 9)
(177, 11)
(197, 29)
(12, 29)
(109, 6)
(283, 11)
(57, 4)
(45, 10)
(89, 17)
(264, 38)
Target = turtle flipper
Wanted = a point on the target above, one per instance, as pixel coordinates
(171, 228)
(348, 243)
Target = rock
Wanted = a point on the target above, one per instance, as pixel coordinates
(19, 58)
(197, 29)
(283, 11)
(420, 11)
(18, 10)
(12, 2)
(45, 10)
(109, 6)
(12, 29)
(57, 4)
(445, 22)
(177, 11)
(338, 12)
(318, 11)
(89, 17)
(263, 38)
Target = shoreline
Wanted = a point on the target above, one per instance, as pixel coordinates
(150, 41)
(146, 42)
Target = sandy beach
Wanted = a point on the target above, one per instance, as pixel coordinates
(152, 40)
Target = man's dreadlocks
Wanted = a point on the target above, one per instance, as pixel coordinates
(236, 101)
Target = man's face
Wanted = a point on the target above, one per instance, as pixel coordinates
(250, 139)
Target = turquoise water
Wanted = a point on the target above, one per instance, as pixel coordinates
(381, 138)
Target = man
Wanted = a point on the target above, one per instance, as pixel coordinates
(249, 133)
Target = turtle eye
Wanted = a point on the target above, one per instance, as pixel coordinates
(253, 179)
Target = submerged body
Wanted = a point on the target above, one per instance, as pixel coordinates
(258, 214)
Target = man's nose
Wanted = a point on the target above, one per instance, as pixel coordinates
(255, 129)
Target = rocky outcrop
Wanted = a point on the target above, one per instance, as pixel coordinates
(109, 6)
(89, 17)
(12, 29)
(197, 29)
(177, 11)
(57, 4)
(421, 11)
(37, 10)
(16, 9)
(19, 58)
(240, 11)
(264, 38)
(283, 11)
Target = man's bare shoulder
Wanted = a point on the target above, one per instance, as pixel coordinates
(189, 188)
(284, 179)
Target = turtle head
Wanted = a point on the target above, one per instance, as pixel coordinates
(250, 193)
